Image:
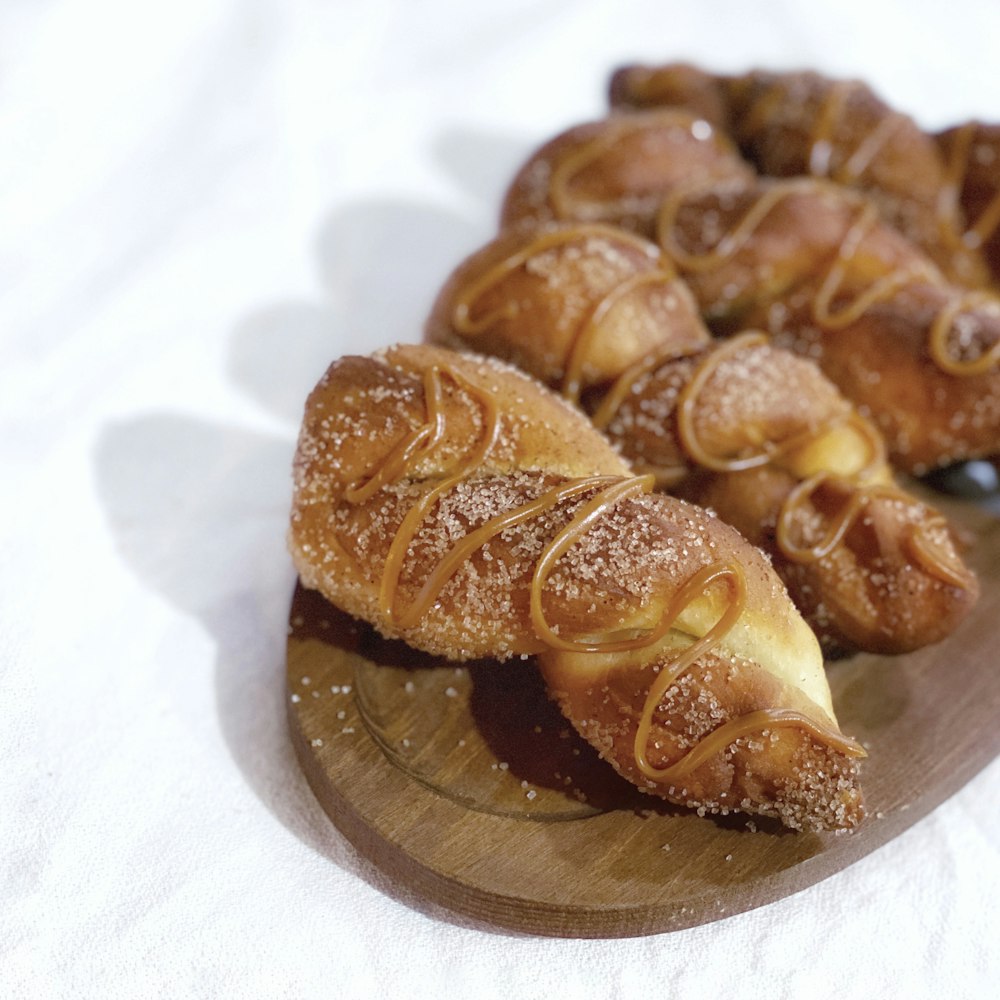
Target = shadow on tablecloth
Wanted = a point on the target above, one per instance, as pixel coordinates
(199, 509)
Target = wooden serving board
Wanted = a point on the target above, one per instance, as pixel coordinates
(467, 786)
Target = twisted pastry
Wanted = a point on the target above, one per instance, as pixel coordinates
(814, 265)
(617, 171)
(754, 431)
(803, 123)
(456, 504)
(917, 353)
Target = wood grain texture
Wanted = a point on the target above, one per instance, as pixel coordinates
(466, 784)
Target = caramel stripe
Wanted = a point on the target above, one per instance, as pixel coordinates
(401, 462)
(758, 722)
(464, 321)
(833, 111)
(848, 514)
(869, 148)
(937, 559)
(564, 205)
(608, 491)
(687, 403)
(619, 391)
(588, 332)
(880, 291)
(771, 452)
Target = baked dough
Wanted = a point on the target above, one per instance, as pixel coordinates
(808, 261)
(755, 432)
(806, 124)
(458, 505)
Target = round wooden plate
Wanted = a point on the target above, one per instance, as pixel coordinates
(467, 785)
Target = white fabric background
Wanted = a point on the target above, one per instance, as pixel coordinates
(202, 203)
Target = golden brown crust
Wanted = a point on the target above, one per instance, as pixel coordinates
(871, 591)
(806, 124)
(572, 304)
(829, 281)
(694, 412)
(807, 260)
(765, 766)
(618, 170)
(618, 577)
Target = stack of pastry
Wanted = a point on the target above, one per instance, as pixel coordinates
(741, 360)
(753, 431)
(811, 261)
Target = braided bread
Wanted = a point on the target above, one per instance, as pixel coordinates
(458, 505)
(813, 264)
(751, 430)
(803, 123)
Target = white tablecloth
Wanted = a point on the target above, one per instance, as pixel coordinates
(201, 204)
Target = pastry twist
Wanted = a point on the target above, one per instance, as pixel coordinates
(752, 430)
(458, 505)
(618, 170)
(814, 265)
(805, 124)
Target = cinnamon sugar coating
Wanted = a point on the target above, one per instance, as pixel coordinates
(808, 260)
(871, 591)
(612, 583)
(773, 772)
(572, 304)
(694, 412)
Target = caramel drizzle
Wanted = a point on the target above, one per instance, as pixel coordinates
(880, 290)
(731, 242)
(986, 224)
(754, 722)
(465, 323)
(772, 452)
(403, 458)
(571, 165)
(622, 386)
(842, 523)
(941, 328)
(864, 155)
(619, 391)
(936, 558)
(832, 112)
(833, 109)
(823, 313)
(610, 490)
(687, 406)
(940, 560)
(564, 206)
(689, 399)
(734, 729)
